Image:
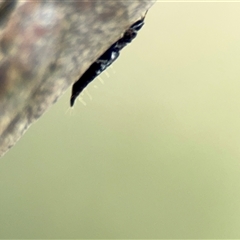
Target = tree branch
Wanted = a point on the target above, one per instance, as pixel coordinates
(45, 46)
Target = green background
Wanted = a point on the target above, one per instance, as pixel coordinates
(154, 154)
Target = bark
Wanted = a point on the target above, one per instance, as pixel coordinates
(45, 46)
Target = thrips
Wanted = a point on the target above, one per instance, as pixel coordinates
(105, 60)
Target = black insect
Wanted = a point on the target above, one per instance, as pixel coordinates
(106, 59)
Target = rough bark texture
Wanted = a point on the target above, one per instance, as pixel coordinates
(44, 48)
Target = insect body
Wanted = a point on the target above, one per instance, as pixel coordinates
(105, 60)
(92, 72)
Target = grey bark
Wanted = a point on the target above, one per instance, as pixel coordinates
(45, 46)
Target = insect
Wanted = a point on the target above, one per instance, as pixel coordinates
(105, 60)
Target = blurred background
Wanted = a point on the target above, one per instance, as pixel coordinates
(154, 152)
